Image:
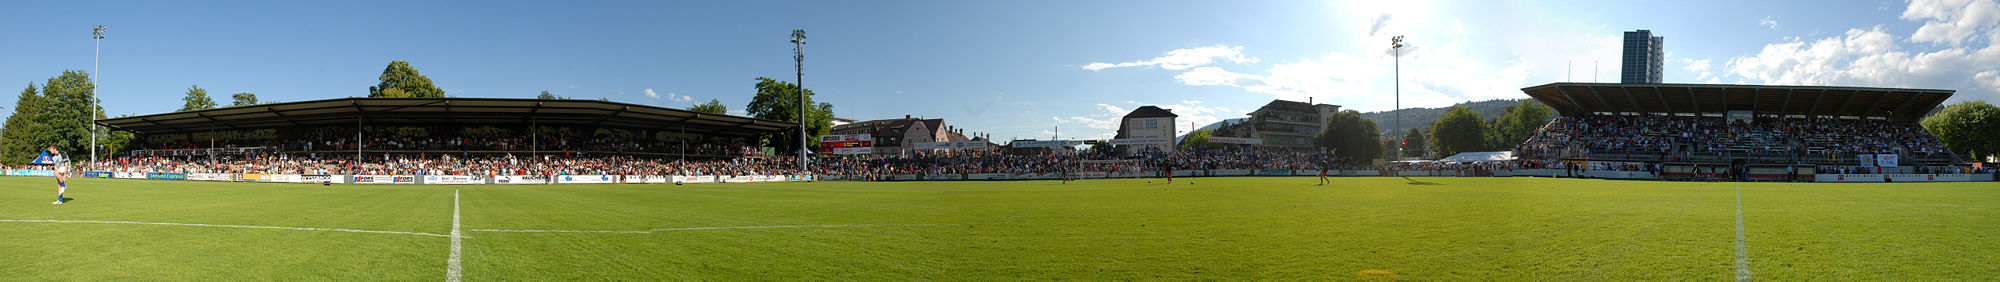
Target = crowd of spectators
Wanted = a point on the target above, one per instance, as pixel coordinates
(1685, 138)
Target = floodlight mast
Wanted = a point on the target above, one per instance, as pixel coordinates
(1396, 50)
(96, 35)
(799, 60)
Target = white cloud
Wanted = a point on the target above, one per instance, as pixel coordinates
(1184, 58)
(650, 94)
(572, 86)
(1375, 27)
(739, 113)
(1872, 56)
(1951, 21)
(1767, 22)
(1699, 67)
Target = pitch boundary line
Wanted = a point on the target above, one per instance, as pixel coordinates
(713, 228)
(222, 225)
(1742, 247)
(454, 269)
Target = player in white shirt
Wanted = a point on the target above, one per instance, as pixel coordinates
(62, 172)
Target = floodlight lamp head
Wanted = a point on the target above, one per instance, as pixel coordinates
(799, 36)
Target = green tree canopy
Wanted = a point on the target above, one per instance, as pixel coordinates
(779, 101)
(1520, 122)
(1198, 141)
(196, 99)
(1460, 130)
(243, 99)
(712, 107)
(399, 80)
(1417, 143)
(21, 128)
(1969, 128)
(1350, 137)
(67, 104)
(550, 96)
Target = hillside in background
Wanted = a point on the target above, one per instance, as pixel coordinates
(1421, 118)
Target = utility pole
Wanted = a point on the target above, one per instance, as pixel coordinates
(799, 60)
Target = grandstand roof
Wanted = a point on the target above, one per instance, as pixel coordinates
(374, 111)
(1894, 103)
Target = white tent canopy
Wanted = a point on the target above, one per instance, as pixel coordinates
(1467, 157)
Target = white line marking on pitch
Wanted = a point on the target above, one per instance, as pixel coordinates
(716, 228)
(1742, 248)
(453, 268)
(223, 225)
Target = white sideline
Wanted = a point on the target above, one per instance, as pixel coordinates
(453, 268)
(715, 228)
(222, 225)
(1742, 248)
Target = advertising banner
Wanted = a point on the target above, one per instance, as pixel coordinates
(322, 178)
(986, 176)
(799, 178)
(1229, 172)
(257, 177)
(736, 179)
(1891, 177)
(1142, 141)
(1274, 172)
(1045, 144)
(96, 174)
(767, 178)
(384, 179)
(1885, 160)
(166, 176)
(586, 179)
(453, 179)
(846, 144)
(694, 179)
(33, 172)
(907, 177)
(208, 176)
(944, 177)
(1234, 140)
(1866, 159)
(129, 175)
(285, 178)
(521, 179)
(845, 138)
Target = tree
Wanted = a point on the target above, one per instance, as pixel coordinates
(1415, 138)
(196, 99)
(21, 129)
(1460, 130)
(243, 99)
(1350, 137)
(1967, 128)
(779, 101)
(713, 106)
(66, 105)
(547, 96)
(1198, 141)
(399, 80)
(1519, 123)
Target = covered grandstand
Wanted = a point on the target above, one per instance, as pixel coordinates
(1764, 128)
(443, 125)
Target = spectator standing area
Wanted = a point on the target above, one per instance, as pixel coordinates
(1740, 132)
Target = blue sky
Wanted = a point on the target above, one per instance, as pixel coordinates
(1008, 68)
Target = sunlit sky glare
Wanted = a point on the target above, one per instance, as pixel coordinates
(1013, 69)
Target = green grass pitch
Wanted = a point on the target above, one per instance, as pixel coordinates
(1220, 228)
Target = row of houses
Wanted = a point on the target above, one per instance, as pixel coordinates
(1279, 125)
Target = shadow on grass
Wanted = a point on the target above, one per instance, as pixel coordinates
(1415, 182)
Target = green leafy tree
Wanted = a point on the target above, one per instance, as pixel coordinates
(66, 105)
(1520, 122)
(1416, 140)
(1350, 137)
(1968, 127)
(779, 101)
(196, 99)
(399, 80)
(712, 107)
(1459, 130)
(243, 99)
(550, 96)
(1198, 141)
(21, 130)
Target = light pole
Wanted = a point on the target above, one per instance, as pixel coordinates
(1396, 50)
(96, 35)
(799, 60)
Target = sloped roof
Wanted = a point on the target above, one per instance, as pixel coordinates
(1898, 104)
(1150, 112)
